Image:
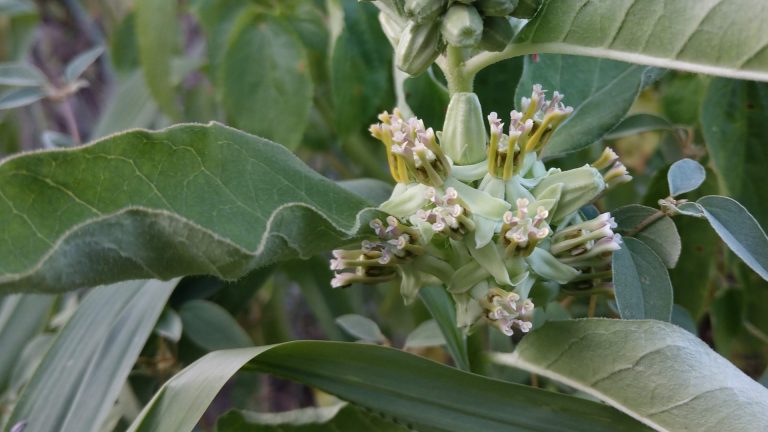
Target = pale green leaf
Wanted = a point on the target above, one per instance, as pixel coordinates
(21, 75)
(684, 176)
(211, 327)
(169, 325)
(661, 235)
(361, 327)
(442, 309)
(600, 91)
(706, 36)
(191, 199)
(22, 316)
(334, 418)
(79, 64)
(157, 30)
(656, 372)
(638, 123)
(131, 106)
(739, 230)
(17, 98)
(82, 373)
(419, 393)
(643, 289)
(372, 190)
(427, 334)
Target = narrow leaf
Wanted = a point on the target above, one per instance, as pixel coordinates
(684, 176)
(442, 309)
(643, 289)
(156, 30)
(22, 316)
(21, 75)
(79, 64)
(361, 327)
(17, 98)
(656, 372)
(638, 123)
(211, 327)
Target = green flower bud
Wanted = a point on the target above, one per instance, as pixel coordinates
(463, 138)
(424, 10)
(462, 26)
(496, 8)
(418, 48)
(580, 187)
(526, 9)
(497, 34)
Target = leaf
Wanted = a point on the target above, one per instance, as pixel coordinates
(713, 37)
(429, 98)
(601, 92)
(156, 31)
(191, 199)
(419, 393)
(661, 235)
(211, 327)
(739, 230)
(53, 139)
(334, 418)
(427, 334)
(641, 282)
(656, 372)
(691, 276)
(264, 79)
(361, 65)
(79, 64)
(684, 176)
(169, 325)
(21, 75)
(362, 328)
(638, 123)
(442, 309)
(82, 373)
(17, 98)
(132, 106)
(22, 316)
(372, 190)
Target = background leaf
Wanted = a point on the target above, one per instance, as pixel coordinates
(17, 98)
(643, 289)
(443, 310)
(684, 176)
(22, 316)
(645, 369)
(21, 75)
(427, 334)
(242, 201)
(211, 327)
(156, 30)
(661, 235)
(638, 123)
(361, 327)
(335, 418)
(79, 64)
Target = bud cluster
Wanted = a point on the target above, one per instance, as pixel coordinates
(481, 214)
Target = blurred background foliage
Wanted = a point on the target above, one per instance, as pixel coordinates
(312, 75)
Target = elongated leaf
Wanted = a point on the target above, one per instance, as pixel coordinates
(638, 123)
(79, 64)
(131, 107)
(712, 36)
(661, 235)
(81, 375)
(656, 372)
(739, 230)
(417, 392)
(17, 98)
(601, 91)
(156, 30)
(442, 309)
(427, 334)
(21, 75)
(684, 176)
(211, 327)
(361, 327)
(191, 199)
(643, 289)
(264, 79)
(335, 418)
(22, 316)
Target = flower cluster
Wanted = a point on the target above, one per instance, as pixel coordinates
(481, 214)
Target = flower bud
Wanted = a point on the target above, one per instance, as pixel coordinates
(526, 9)
(496, 8)
(497, 34)
(462, 26)
(463, 137)
(391, 27)
(418, 47)
(580, 187)
(424, 10)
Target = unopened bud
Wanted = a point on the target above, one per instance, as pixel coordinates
(463, 138)
(462, 26)
(391, 27)
(497, 33)
(418, 47)
(424, 10)
(496, 8)
(581, 186)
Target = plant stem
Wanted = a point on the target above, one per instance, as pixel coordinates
(459, 80)
(485, 59)
(71, 122)
(592, 306)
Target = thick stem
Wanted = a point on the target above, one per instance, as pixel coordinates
(485, 59)
(455, 73)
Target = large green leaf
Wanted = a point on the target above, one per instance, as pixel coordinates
(706, 36)
(264, 79)
(156, 31)
(81, 375)
(335, 418)
(417, 392)
(22, 316)
(192, 199)
(657, 372)
(643, 289)
(601, 91)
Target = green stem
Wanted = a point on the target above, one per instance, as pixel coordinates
(485, 59)
(459, 80)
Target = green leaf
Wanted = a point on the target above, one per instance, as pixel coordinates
(372, 190)
(656, 372)
(443, 310)
(661, 235)
(264, 79)
(427, 334)
(361, 78)
(157, 30)
(684, 176)
(129, 206)
(79, 64)
(419, 393)
(714, 37)
(601, 92)
(22, 316)
(739, 230)
(429, 98)
(638, 123)
(211, 327)
(691, 276)
(169, 325)
(733, 119)
(334, 418)
(643, 289)
(361, 327)
(17, 98)
(131, 107)
(21, 75)
(82, 373)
